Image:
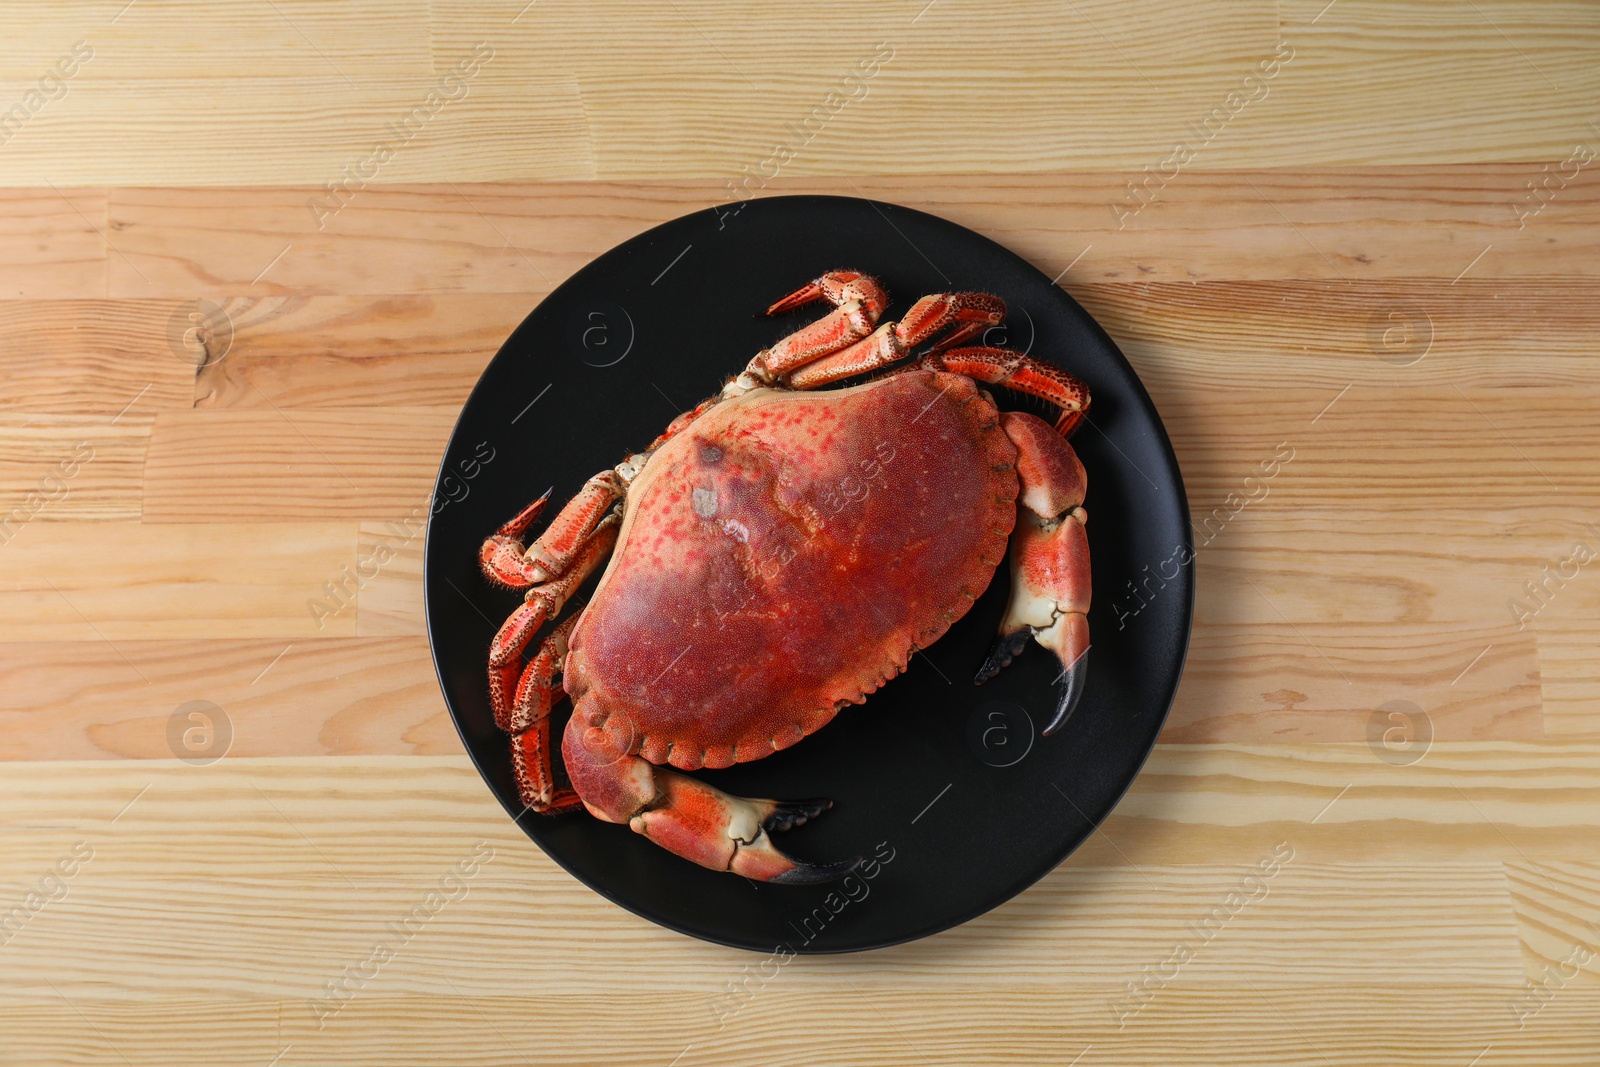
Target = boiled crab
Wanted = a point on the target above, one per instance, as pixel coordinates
(777, 554)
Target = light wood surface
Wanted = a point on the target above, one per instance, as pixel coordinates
(1350, 265)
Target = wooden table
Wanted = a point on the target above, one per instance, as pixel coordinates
(1360, 234)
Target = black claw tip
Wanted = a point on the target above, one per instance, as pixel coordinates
(814, 873)
(791, 813)
(1006, 647)
(1073, 680)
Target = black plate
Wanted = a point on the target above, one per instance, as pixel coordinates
(943, 778)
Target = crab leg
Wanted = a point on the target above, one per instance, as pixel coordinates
(1001, 366)
(858, 300)
(964, 314)
(528, 722)
(506, 562)
(509, 682)
(1049, 560)
(684, 815)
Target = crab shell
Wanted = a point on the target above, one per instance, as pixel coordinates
(783, 557)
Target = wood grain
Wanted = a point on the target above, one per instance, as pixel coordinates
(1385, 262)
(92, 583)
(704, 89)
(392, 603)
(330, 124)
(1345, 225)
(55, 243)
(266, 465)
(1195, 804)
(289, 39)
(1285, 683)
(341, 351)
(1206, 1026)
(99, 357)
(310, 696)
(70, 467)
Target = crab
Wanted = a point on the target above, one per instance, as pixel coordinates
(777, 554)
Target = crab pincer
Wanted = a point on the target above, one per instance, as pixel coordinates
(1049, 562)
(685, 815)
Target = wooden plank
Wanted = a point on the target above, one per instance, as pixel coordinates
(104, 583)
(55, 467)
(157, 1031)
(1426, 915)
(290, 39)
(378, 695)
(339, 351)
(1352, 1026)
(1339, 571)
(255, 128)
(1367, 810)
(95, 357)
(1388, 335)
(1533, 447)
(895, 107)
(390, 239)
(1098, 85)
(1333, 224)
(1394, 686)
(1345, 226)
(1556, 904)
(392, 602)
(310, 696)
(1214, 805)
(216, 465)
(54, 241)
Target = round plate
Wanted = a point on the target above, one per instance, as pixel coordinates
(944, 785)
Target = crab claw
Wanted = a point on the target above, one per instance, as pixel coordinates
(760, 859)
(1049, 562)
(1049, 599)
(1068, 638)
(838, 287)
(732, 833)
(787, 814)
(1006, 647)
(1071, 634)
(806, 294)
(501, 556)
(685, 815)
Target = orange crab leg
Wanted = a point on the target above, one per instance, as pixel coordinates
(859, 300)
(968, 313)
(1002, 366)
(504, 560)
(963, 313)
(528, 722)
(838, 287)
(683, 815)
(1049, 560)
(542, 603)
(535, 692)
(828, 334)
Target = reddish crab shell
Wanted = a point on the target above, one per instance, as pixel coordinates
(784, 557)
(778, 554)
